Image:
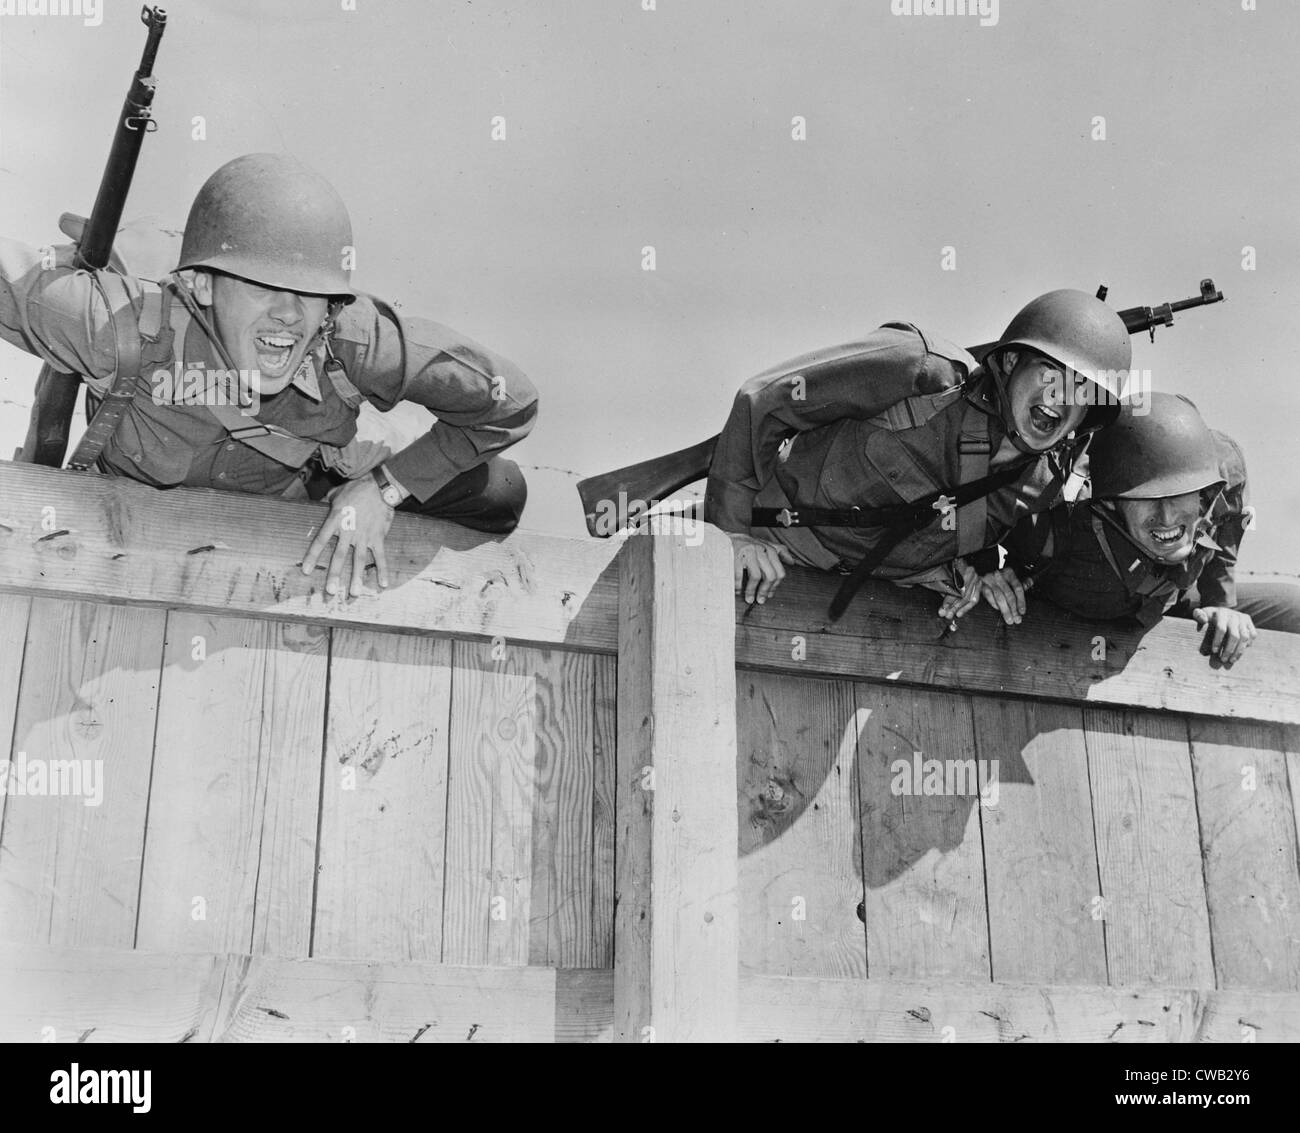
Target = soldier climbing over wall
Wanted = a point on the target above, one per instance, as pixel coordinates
(897, 456)
(263, 290)
(1158, 533)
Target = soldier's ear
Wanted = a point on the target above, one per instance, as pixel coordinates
(1007, 360)
(202, 286)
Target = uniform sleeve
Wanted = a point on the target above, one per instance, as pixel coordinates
(58, 314)
(482, 401)
(1218, 584)
(858, 380)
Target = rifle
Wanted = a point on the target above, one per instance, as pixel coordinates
(608, 493)
(56, 392)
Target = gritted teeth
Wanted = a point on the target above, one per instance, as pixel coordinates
(1167, 534)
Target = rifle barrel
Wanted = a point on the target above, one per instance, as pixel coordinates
(96, 244)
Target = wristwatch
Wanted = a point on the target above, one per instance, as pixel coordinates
(390, 492)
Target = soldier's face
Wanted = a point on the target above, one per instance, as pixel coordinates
(1163, 528)
(264, 330)
(1047, 401)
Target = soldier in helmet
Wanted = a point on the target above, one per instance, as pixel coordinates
(263, 291)
(1159, 534)
(900, 454)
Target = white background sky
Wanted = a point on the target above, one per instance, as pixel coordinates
(672, 128)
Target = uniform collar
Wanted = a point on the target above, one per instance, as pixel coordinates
(305, 380)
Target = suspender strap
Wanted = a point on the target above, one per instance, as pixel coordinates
(126, 336)
(920, 513)
(872, 559)
(975, 450)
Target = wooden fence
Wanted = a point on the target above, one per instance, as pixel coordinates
(554, 789)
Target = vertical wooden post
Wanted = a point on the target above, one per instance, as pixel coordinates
(676, 925)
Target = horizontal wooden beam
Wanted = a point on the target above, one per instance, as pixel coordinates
(106, 995)
(892, 633)
(221, 552)
(80, 535)
(790, 1009)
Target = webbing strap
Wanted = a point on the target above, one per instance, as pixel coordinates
(128, 345)
(976, 451)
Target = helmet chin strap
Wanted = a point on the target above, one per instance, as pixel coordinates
(1009, 421)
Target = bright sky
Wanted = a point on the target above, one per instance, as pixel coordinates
(672, 128)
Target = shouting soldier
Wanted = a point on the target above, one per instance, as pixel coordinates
(263, 291)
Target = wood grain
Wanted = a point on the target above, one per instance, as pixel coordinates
(379, 882)
(782, 1009)
(230, 553)
(1040, 857)
(676, 923)
(921, 853)
(69, 864)
(236, 788)
(1148, 850)
(892, 633)
(1252, 879)
(490, 805)
(603, 820)
(800, 870)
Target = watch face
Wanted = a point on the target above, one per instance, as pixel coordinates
(392, 497)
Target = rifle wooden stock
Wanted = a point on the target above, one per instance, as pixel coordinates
(649, 481)
(660, 476)
(55, 395)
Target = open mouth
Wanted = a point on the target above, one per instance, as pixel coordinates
(1045, 420)
(1167, 537)
(273, 352)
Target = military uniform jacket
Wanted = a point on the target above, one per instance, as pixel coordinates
(818, 432)
(482, 401)
(1064, 553)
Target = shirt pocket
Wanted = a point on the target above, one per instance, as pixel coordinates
(895, 468)
(147, 449)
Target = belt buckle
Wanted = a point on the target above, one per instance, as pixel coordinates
(785, 517)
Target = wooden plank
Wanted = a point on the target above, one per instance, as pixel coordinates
(105, 995)
(95, 995)
(384, 798)
(227, 553)
(1040, 857)
(230, 553)
(1252, 879)
(605, 763)
(14, 612)
(561, 932)
(520, 807)
(102, 995)
(921, 852)
(676, 962)
(230, 846)
(800, 870)
(784, 1009)
(490, 804)
(70, 863)
(269, 999)
(1148, 849)
(892, 633)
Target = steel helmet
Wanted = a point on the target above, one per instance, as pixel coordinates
(267, 218)
(1081, 332)
(1167, 451)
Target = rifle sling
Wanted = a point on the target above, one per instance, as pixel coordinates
(121, 393)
